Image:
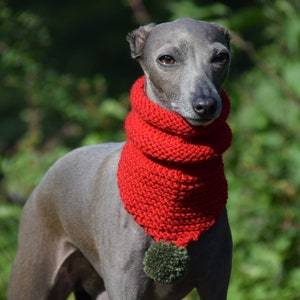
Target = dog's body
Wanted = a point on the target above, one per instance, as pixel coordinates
(75, 234)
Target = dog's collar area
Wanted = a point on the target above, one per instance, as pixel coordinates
(171, 177)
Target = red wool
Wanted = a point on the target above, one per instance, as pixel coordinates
(171, 174)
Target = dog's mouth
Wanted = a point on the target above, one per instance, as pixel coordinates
(200, 122)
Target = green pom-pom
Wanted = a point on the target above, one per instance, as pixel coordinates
(165, 262)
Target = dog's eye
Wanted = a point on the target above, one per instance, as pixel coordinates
(167, 60)
(222, 57)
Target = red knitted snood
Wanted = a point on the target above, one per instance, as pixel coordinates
(171, 174)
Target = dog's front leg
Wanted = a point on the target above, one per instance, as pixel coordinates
(39, 256)
(213, 253)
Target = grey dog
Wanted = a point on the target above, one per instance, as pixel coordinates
(76, 236)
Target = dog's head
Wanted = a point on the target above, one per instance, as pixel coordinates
(185, 63)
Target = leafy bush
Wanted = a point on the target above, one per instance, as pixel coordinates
(44, 113)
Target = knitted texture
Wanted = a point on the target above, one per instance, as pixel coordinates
(171, 174)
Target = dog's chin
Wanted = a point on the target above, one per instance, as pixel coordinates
(199, 122)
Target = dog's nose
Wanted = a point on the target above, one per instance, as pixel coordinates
(206, 107)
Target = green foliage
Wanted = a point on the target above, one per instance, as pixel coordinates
(48, 102)
(43, 112)
(263, 164)
(24, 170)
(9, 220)
(49, 105)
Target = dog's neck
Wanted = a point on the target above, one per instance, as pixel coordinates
(171, 174)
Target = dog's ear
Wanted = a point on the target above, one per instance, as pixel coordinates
(225, 32)
(226, 35)
(137, 39)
